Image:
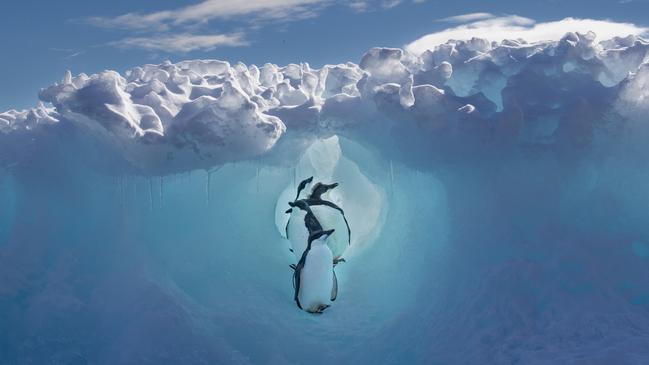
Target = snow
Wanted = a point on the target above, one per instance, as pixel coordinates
(203, 113)
(198, 114)
(507, 27)
(496, 193)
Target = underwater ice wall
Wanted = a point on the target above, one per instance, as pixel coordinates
(507, 183)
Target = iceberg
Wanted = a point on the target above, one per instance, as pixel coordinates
(497, 194)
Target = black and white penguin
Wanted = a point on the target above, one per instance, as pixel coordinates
(300, 226)
(328, 214)
(314, 279)
(331, 216)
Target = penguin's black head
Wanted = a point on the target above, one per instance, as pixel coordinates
(299, 204)
(303, 185)
(304, 182)
(320, 188)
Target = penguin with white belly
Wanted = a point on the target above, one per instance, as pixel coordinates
(331, 216)
(328, 214)
(314, 279)
(300, 226)
(294, 226)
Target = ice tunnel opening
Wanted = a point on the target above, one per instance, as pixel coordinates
(399, 227)
(385, 204)
(365, 204)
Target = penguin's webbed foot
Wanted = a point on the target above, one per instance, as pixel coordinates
(321, 308)
(292, 266)
(339, 260)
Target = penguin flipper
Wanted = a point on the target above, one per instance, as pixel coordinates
(295, 286)
(286, 228)
(334, 288)
(296, 278)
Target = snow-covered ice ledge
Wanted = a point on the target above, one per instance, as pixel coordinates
(198, 114)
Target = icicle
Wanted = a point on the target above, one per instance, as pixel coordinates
(117, 185)
(391, 177)
(208, 184)
(135, 178)
(161, 192)
(122, 191)
(257, 177)
(150, 194)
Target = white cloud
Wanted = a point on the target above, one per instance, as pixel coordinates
(467, 17)
(177, 28)
(361, 6)
(208, 10)
(181, 42)
(358, 5)
(498, 28)
(389, 4)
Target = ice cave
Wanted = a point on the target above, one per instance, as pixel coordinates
(497, 193)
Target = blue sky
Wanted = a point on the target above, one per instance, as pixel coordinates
(41, 39)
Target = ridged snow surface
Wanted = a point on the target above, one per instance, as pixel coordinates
(497, 194)
(203, 113)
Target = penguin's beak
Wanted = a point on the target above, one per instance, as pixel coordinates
(328, 233)
(333, 185)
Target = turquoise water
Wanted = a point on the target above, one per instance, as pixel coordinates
(518, 260)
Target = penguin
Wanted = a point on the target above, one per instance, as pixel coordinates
(300, 214)
(301, 224)
(328, 214)
(300, 188)
(314, 279)
(331, 216)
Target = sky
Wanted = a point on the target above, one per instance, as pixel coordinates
(42, 39)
